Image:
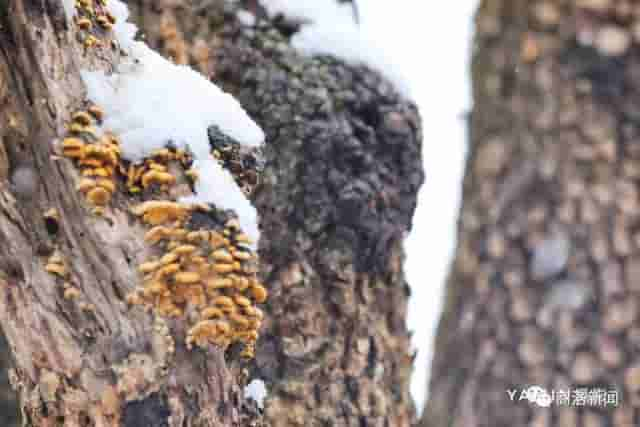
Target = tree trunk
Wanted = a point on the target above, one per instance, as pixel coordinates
(9, 410)
(544, 288)
(82, 356)
(337, 195)
(343, 167)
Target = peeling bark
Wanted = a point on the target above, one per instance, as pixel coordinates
(543, 287)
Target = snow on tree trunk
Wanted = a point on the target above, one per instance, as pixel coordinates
(543, 290)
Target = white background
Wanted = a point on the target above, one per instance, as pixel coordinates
(430, 42)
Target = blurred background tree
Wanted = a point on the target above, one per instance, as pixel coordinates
(545, 283)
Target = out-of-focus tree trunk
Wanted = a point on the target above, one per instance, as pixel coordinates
(338, 192)
(544, 286)
(343, 167)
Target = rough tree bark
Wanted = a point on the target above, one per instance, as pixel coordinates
(544, 286)
(86, 360)
(338, 192)
(343, 170)
(9, 412)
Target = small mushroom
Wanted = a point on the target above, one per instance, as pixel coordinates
(212, 313)
(98, 196)
(71, 293)
(242, 301)
(84, 24)
(57, 269)
(81, 117)
(222, 256)
(148, 267)
(223, 268)
(187, 278)
(259, 293)
(223, 301)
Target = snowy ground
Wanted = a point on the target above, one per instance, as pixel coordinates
(431, 44)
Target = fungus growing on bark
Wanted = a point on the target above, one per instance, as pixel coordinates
(55, 265)
(93, 21)
(154, 170)
(158, 212)
(71, 293)
(216, 294)
(97, 157)
(203, 269)
(84, 24)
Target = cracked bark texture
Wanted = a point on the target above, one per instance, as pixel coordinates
(342, 172)
(343, 167)
(90, 361)
(9, 412)
(544, 285)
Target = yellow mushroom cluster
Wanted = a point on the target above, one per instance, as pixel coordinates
(93, 20)
(206, 274)
(205, 270)
(98, 157)
(154, 170)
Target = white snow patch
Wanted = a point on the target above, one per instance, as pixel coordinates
(350, 44)
(155, 101)
(330, 28)
(441, 86)
(216, 185)
(257, 391)
(69, 9)
(124, 31)
(246, 18)
(150, 101)
(311, 11)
